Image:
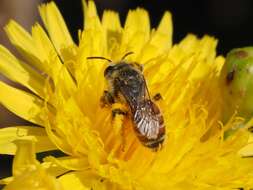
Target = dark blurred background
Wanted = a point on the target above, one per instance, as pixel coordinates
(228, 20)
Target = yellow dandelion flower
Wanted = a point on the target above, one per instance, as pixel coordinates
(27, 172)
(63, 101)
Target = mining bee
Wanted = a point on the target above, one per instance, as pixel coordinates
(128, 85)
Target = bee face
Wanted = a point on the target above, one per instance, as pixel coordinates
(108, 71)
(121, 68)
(127, 80)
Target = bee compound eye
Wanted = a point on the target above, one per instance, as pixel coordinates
(108, 71)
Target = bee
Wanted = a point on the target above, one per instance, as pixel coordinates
(127, 84)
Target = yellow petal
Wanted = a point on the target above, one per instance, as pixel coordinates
(49, 57)
(5, 181)
(45, 51)
(28, 173)
(69, 162)
(56, 27)
(70, 181)
(163, 36)
(160, 41)
(247, 151)
(21, 103)
(113, 29)
(38, 51)
(21, 73)
(34, 179)
(111, 21)
(60, 37)
(93, 39)
(205, 52)
(75, 135)
(85, 180)
(9, 134)
(54, 169)
(91, 19)
(25, 44)
(134, 37)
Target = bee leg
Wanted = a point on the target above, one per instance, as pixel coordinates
(107, 99)
(118, 111)
(118, 115)
(157, 97)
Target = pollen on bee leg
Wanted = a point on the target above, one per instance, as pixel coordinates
(116, 139)
(119, 111)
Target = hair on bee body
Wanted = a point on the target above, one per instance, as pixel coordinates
(127, 84)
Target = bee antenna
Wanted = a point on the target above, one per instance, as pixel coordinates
(95, 57)
(127, 54)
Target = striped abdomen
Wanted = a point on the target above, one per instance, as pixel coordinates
(149, 124)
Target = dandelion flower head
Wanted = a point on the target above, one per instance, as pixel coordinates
(62, 101)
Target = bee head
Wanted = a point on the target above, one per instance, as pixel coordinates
(114, 66)
(109, 70)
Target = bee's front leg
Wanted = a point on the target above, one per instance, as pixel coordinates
(107, 99)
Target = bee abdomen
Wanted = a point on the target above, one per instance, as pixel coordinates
(149, 124)
(154, 143)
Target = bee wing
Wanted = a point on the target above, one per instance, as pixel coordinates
(148, 120)
(147, 95)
